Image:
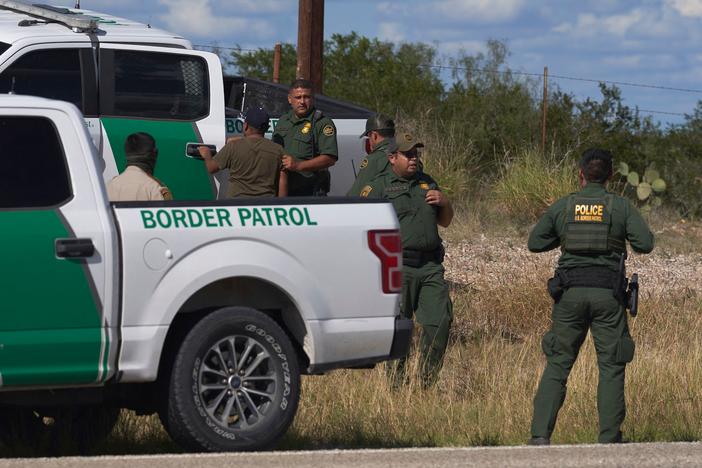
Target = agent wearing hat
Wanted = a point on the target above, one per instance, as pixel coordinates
(591, 227)
(420, 207)
(380, 131)
(137, 182)
(254, 162)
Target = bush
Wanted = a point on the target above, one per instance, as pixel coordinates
(529, 182)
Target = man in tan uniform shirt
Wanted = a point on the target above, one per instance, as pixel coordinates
(137, 182)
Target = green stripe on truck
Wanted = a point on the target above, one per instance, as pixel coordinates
(187, 178)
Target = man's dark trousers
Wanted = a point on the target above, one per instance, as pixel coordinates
(578, 310)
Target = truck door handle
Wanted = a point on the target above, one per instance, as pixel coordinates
(191, 150)
(74, 248)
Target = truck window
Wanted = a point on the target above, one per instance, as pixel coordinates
(33, 171)
(154, 85)
(50, 73)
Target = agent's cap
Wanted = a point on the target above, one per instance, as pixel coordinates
(378, 122)
(404, 142)
(593, 154)
(257, 117)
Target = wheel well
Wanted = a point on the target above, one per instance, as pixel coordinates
(242, 291)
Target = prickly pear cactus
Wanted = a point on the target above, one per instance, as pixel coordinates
(648, 188)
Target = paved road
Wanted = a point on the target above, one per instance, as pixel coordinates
(628, 455)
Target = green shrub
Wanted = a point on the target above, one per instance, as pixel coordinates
(529, 182)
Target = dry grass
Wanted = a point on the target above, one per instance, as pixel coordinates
(494, 362)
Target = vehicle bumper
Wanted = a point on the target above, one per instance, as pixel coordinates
(401, 339)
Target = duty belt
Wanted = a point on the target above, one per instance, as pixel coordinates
(417, 258)
(588, 277)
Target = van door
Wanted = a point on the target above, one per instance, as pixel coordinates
(177, 96)
(55, 327)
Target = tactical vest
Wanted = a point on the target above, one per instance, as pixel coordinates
(588, 226)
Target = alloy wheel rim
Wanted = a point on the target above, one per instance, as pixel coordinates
(237, 382)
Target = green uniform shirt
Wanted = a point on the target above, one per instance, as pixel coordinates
(373, 165)
(627, 224)
(417, 218)
(306, 137)
(254, 166)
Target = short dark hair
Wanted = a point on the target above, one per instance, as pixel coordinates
(598, 167)
(301, 83)
(139, 143)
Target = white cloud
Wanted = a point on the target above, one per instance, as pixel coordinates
(452, 48)
(637, 22)
(689, 8)
(196, 17)
(392, 8)
(623, 60)
(391, 32)
(492, 11)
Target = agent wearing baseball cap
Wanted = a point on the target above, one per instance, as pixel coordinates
(591, 227)
(254, 162)
(421, 207)
(380, 131)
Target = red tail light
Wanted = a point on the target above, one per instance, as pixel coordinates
(387, 246)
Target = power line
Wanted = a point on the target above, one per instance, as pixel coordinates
(537, 75)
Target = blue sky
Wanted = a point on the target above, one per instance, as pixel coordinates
(646, 41)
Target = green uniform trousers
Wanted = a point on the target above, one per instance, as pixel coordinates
(425, 297)
(578, 310)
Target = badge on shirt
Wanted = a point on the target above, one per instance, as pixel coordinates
(366, 190)
(364, 163)
(328, 130)
(424, 186)
(306, 128)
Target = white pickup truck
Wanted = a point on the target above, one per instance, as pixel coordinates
(205, 312)
(128, 77)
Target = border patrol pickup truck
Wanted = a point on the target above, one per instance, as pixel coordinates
(127, 77)
(205, 312)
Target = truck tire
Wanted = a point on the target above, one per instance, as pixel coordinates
(55, 431)
(235, 383)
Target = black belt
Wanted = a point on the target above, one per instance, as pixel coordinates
(416, 258)
(588, 277)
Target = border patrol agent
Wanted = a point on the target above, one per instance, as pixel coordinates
(420, 207)
(309, 139)
(591, 227)
(380, 131)
(137, 182)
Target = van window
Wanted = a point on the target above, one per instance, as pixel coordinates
(156, 86)
(33, 171)
(49, 73)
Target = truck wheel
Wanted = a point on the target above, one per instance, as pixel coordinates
(235, 383)
(56, 431)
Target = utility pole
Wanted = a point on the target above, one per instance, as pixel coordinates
(544, 110)
(276, 63)
(310, 42)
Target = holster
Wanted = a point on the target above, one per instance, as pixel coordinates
(322, 183)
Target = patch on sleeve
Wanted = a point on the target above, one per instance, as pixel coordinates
(328, 130)
(366, 190)
(166, 194)
(364, 163)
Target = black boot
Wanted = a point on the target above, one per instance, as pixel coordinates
(539, 441)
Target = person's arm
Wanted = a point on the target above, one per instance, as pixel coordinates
(317, 163)
(210, 163)
(438, 199)
(544, 237)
